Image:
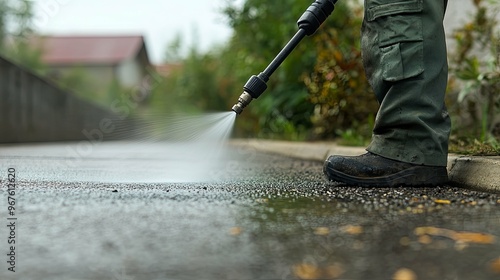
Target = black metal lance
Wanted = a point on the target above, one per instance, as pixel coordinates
(308, 23)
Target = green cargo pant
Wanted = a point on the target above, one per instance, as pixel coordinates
(404, 55)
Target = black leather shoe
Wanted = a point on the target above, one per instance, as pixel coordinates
(371, 170)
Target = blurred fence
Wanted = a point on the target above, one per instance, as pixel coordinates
(34, 109)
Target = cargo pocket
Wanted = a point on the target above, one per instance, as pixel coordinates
(400, 38)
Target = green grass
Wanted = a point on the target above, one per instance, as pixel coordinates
(467, 146)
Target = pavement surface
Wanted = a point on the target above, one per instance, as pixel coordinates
(480, 173)
(127, 211)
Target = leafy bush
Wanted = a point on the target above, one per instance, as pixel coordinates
(475, 81)
(15, 31)
(344, 103)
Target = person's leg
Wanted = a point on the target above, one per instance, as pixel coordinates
(404, 54)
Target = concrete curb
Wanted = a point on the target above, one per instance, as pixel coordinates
(472, 172)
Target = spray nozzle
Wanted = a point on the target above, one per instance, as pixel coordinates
(308, 23)
(243, 101)
(255, 86)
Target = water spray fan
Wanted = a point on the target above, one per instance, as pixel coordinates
(308, 23)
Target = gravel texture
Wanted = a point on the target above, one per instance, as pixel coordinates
(266, 217)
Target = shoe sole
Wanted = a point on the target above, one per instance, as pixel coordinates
(414, 176)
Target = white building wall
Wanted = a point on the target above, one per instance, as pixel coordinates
(129, 73)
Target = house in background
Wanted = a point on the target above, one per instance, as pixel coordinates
(103, 58)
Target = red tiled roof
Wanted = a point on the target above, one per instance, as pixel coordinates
(89, 49)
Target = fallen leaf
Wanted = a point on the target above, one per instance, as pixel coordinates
(353, 230)
(431, 231)
(442, 201)
(235, 231)
(311, 271)
(404, 274)
(495, 266)
(333, 271)
(321, 231)
(306, 271)
(425, 239)
(472, 237)
(458, 236)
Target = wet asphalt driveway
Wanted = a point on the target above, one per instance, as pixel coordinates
(112, 216)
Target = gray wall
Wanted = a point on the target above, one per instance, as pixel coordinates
(100, 75)
(33, 109)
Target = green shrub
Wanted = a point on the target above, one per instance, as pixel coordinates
(475, 76)
(343, 101)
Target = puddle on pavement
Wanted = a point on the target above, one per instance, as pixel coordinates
(318, 238)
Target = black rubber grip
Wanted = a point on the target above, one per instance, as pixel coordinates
(255, 86)
(315, 15)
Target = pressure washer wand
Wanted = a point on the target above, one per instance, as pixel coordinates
(308, 23)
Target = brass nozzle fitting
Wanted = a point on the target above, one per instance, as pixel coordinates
(243, 101)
